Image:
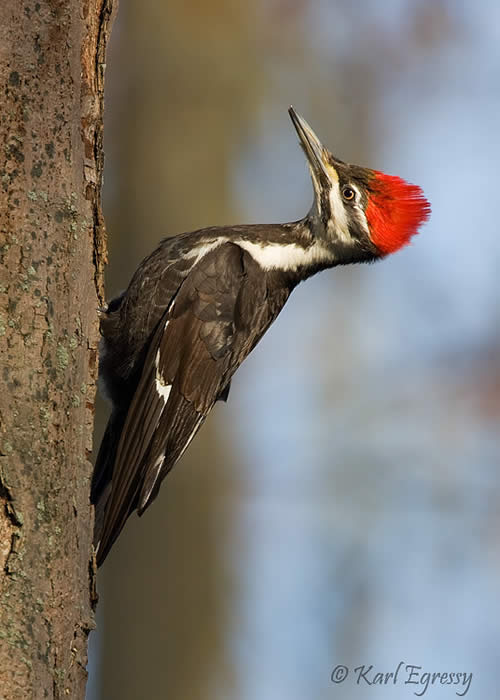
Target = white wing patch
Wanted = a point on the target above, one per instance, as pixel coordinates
(162, 388)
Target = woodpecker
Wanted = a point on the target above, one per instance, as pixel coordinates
(199, 304)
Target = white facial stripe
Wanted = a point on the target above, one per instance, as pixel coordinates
(339, 214)
(275, 256)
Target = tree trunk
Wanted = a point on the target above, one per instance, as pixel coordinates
(52, 251)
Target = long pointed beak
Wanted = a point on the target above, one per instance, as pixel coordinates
(315, 152)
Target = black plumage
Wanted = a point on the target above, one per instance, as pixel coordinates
(194, 310)
(184, 326)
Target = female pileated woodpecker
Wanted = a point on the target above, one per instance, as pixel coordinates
(201, 301)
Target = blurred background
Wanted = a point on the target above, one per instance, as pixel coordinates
(343, 507)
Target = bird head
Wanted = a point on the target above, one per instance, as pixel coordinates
(364, 213)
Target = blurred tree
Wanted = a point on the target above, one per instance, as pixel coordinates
(185, 86)
(189, 81)
(51, 261)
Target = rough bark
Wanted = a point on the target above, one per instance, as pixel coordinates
(52, 250)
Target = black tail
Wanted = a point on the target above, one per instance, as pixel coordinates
(103, 470)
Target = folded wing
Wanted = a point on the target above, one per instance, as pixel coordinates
(220, 311)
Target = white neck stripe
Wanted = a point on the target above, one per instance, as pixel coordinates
(338, 214)
(272, 256)
(275, 256)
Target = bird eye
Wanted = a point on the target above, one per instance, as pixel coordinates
(348, 194)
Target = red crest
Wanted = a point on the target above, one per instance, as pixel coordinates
(395, 211)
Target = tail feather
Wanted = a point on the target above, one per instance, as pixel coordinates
(103, 470)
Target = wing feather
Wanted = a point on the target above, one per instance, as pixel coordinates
(219, 313)
(130, 464)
